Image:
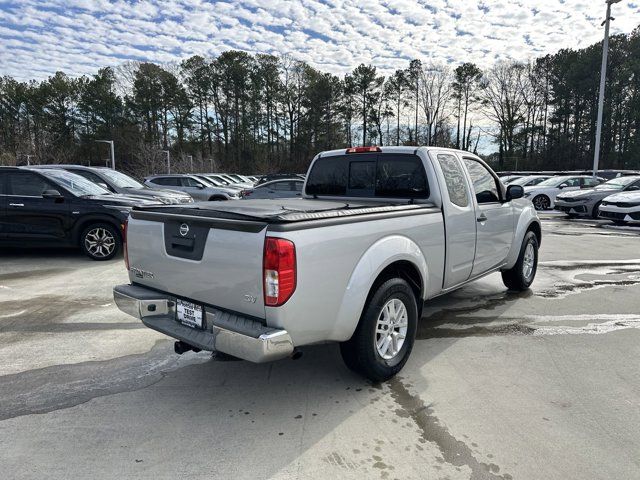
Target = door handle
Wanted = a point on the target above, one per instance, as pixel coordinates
(482, 218)
(16, 204)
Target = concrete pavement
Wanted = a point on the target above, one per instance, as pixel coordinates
(543, 384)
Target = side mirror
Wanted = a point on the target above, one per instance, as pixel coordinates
(51, 194)
(564, 185)
(104, 185)
(514, 192)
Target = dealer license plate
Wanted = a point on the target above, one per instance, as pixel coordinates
(189, 314)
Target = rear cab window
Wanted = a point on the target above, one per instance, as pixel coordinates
(381, 175)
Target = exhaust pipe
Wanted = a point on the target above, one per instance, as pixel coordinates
(180, 347)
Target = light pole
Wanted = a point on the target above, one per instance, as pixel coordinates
(113, 157)
(29, 159)
(190, 163)
(603, 81)
(168, 161)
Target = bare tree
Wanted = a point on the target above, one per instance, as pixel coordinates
(502, 89)
(435, 94)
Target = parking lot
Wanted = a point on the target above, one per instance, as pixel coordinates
(543, 384)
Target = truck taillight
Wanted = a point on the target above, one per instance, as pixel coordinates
(125, 226)
(279, 271)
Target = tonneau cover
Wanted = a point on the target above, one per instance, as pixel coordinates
(283, 210)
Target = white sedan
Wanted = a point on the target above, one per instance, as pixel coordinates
(621, 207)
(544, 194)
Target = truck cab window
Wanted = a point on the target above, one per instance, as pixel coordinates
(369, 175)
(362, 176)
(401, 176)
(484, 184)
(454, 178)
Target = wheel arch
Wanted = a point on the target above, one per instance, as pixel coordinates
(390, 257)
(527, 222)
(84, 222)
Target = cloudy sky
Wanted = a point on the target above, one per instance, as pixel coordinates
(39, 37)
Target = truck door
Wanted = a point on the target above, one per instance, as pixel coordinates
(460, 221)
(494, 218)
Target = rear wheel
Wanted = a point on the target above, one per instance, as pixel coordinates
(384, 338)
(100, 241)
(541, 202)
(520, 277)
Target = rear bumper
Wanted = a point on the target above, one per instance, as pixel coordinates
(232, 334)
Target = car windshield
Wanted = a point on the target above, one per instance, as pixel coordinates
(553, 181)
(215, 181)
(221, 180)
(76, 184)
(617, 183)
(119, 179)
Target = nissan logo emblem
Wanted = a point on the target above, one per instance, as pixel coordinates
(184, 229)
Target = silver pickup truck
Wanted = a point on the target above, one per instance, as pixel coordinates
(378, 232)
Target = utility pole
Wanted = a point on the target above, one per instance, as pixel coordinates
(168, 161)
(113, 156)
(190, 163)
(29, 159)
(603, 81)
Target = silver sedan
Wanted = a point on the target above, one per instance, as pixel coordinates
(586, 203)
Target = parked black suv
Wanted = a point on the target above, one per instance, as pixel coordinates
(51, 207)
(118, 182)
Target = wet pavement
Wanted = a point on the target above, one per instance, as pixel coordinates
(543, 384)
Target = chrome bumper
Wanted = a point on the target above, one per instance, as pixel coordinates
(235, 335)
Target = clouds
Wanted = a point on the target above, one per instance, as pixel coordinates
(38, 37)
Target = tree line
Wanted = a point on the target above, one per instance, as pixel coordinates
(258, 113)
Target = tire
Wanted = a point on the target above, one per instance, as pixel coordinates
(571, 216)
(595, 213)
(217, 199)
(370, 351)
(521, 276)
(100, 241)
(541, 202)
(620, 222)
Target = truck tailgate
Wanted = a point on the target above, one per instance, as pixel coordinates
(217, 262)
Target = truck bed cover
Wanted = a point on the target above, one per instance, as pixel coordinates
(280, 210)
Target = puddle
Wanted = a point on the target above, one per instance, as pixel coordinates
(481, 308)
(63, 386)
(454, 452)
(27, 274)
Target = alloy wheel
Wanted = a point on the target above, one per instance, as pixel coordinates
(529, 261)
(391, 328)
(99, 242)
